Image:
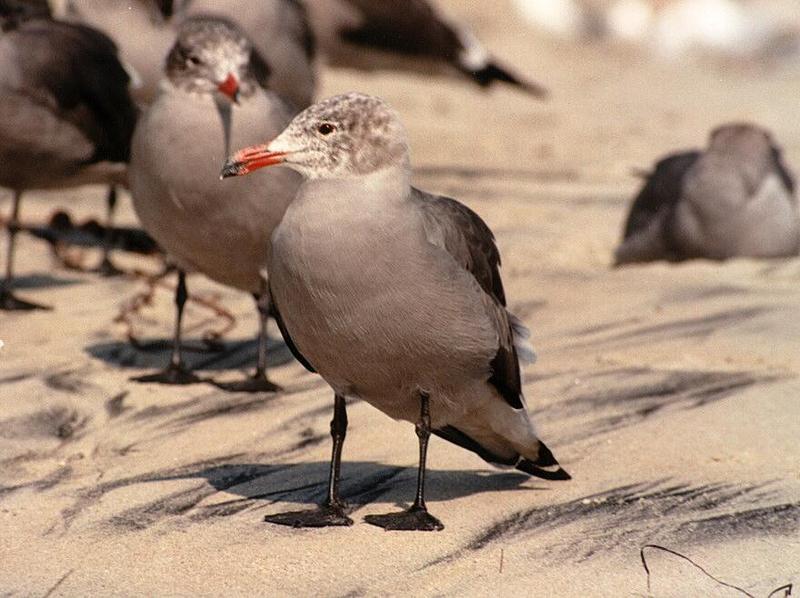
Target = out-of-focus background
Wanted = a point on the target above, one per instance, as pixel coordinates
(669, 391)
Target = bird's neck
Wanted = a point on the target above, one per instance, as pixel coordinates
(389, 185)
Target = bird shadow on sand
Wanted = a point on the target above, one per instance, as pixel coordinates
(231, 355)
(43, 281)
(257, 487)
(362, 482)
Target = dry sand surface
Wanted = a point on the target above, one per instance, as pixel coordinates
(670, 392)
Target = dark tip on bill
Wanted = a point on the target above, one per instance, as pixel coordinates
(231, 168)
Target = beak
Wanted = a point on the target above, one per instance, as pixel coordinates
(230, 87)
(249, 159)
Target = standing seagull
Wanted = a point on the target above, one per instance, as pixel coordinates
(412, 34)
(394, 296)
(736, 199)
(211, 98)
(66, 117)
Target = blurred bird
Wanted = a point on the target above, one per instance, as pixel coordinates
(145, 30)
(412, 35)
(279, 30)
(140, 29)
(736, 198)
(394, 296)
(66, 117)
(211, 97)
(738, 29)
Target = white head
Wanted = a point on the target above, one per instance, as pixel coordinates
(345, 136)
(212, 55)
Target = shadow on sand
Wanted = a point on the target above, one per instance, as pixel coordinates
(232, 355)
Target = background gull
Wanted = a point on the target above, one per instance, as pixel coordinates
(212, 97)
(146, 29)
(66, 117)
(736, 199)
(412, 34)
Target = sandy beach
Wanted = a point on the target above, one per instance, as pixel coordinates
(669, 392)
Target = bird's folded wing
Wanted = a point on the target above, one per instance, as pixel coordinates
(458, 230)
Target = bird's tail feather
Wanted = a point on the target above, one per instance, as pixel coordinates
(493, 72)
(544, 466)
(522, 342)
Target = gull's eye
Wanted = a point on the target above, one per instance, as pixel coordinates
(326, 129)
(194, 59)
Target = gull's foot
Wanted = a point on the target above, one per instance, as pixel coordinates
(257, 383)
(176, 375)
(414, 519)
(322, 516)
(10, 302)
(107, 269)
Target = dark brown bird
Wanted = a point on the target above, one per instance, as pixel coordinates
(66, 117)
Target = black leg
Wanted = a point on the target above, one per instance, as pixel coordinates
(8, 301)
(259, 382)
(416, 517)
(333, 512)
(176, 372)
(107, 267)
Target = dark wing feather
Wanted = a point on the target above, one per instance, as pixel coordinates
(286, 338)
(783, 172)
(414, 30)
(259, 68)
(661, 191)
(470, 242)
(14, 12)
(305, 34)
(78, 67)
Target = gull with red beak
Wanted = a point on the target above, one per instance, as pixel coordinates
(213, 95)
(145, 30)
(393, 296)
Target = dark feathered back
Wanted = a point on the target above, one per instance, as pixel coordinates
(78, 68)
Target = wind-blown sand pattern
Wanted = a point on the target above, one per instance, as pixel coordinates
(669, 392)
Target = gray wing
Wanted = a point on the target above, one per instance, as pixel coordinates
(75, 69)
(469, 241)
(46, 147)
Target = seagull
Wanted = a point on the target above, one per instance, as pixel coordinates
(210, 98)
(735, 199)
(66, 116)
(279, 29)
(145, 30)
(412, 35)
(393, 296)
